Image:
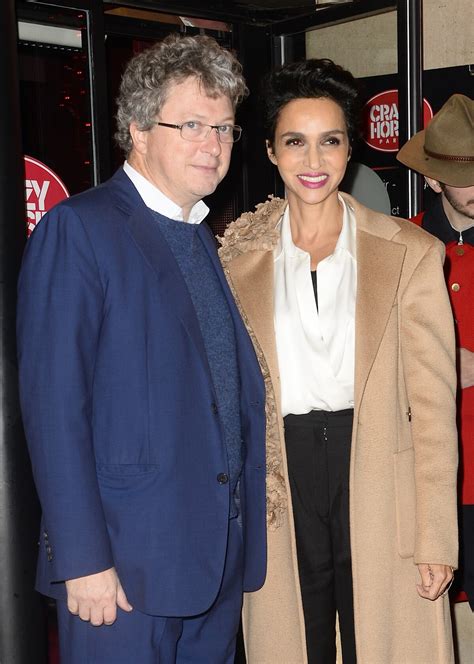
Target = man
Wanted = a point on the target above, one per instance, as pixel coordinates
(141, 394)
(444, 154)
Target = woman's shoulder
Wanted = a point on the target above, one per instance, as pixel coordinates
(253, 231)
(396, 229)
(417, 241)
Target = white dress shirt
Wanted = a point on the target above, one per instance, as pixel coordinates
(316, 346)
(157, 201)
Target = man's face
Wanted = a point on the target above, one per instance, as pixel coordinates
(183, 170)
(461, 199)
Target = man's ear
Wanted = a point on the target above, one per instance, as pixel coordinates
(270, 153)
(434, 184)
(139, 138)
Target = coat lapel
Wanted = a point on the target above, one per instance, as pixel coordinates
(252, 277)
(379, 266)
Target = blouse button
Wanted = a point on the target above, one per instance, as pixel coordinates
(455, 287)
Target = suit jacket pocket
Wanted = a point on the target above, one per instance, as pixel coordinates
(405, 501)
(127, 469)
(131, 478)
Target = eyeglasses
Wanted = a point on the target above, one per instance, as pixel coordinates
(197, 131)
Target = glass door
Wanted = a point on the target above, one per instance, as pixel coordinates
(55, 92)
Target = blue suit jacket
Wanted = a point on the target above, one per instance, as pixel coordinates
(119, 409)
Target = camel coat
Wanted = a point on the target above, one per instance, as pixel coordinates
(404, 445)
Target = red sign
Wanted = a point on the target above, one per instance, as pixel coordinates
(43, 189)
(380, 117)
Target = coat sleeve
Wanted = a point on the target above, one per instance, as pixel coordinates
(60, 305)
(428, 352)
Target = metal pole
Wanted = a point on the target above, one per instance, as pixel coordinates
(279, 51)
(98, 84)
(22, 623)
(410, 91)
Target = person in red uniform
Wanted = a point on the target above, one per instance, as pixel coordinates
(444, 154)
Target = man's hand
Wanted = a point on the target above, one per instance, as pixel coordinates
(435, 580)
(466, 368)
(95, 597)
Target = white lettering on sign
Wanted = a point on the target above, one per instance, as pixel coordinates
(43, 190)
(35, 199)
(384, 122)
(381, 120)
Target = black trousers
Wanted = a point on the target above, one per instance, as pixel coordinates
(318, 447)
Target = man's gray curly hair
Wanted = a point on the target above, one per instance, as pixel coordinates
(148, 76)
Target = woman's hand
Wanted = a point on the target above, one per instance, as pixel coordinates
(435, 580)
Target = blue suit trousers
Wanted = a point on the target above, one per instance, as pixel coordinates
(138, 638)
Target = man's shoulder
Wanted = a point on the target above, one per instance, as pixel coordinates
(394, 229)
(118, 191)
(105, 205)
(95, 213)
(416, 238)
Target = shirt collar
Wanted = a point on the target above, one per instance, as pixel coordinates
(345, 242)
(347, 236)
(157, 201)
(437, 223)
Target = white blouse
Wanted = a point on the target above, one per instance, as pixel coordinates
(316, 346)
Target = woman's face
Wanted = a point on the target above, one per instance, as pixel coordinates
(311, 149)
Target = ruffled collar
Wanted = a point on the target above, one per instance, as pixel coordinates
(253, 231)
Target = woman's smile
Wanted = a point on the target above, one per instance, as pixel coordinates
(310, 149)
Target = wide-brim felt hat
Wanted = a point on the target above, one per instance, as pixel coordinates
(444, 150)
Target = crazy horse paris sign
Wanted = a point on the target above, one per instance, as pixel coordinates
(43, 189)
(380, 120)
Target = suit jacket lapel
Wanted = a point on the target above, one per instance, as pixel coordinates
(209, 243)
(244, 344)
(146, 234)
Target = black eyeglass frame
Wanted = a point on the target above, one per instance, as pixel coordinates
(235, 128)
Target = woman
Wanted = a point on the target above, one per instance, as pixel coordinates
(351, 323)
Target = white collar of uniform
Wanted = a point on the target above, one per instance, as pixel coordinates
(157, 201)
(345, 242)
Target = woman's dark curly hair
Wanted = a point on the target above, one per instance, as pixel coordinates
(311, 79)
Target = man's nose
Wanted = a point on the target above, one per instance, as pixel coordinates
(212, 144)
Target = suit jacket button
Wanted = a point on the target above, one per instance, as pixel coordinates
(222, 478)
(214, 407)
